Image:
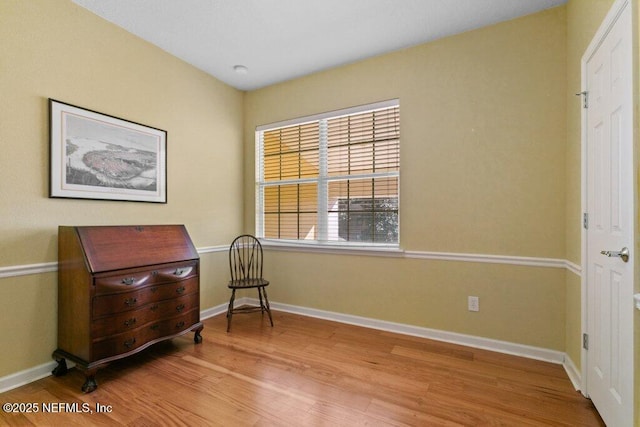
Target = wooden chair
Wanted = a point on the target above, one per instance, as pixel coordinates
(245, 263)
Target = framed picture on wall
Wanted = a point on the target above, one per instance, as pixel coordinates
(97, 156)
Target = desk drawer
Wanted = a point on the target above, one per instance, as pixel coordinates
(125, 301)
(177, 272)
(131, 280)
(134, 319)
(129, 341)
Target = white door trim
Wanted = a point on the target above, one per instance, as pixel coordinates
(612, 16)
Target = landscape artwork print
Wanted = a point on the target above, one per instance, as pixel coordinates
(96, 156)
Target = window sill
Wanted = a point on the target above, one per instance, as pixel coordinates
(332, 248)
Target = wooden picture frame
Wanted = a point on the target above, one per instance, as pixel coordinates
(102, 157)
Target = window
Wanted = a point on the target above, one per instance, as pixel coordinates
(331, 178)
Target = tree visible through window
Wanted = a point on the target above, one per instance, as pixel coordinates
(368, 220)
(331, 178)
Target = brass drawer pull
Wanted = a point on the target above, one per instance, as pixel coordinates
(181, 271)
(130, 322)
(180, 307)
(180, 324)
(180, 290)
(129, 280)
(130, 302)
(154, 307)
(130, 343)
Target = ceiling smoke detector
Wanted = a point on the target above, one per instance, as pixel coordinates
(240, 69)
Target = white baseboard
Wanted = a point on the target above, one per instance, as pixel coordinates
(24, 377)
(530, 352)
(537, 353)
(574, 373)
(218, 309)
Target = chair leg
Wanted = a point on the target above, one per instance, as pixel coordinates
(230, 309)
(266, 304)
(262, 307)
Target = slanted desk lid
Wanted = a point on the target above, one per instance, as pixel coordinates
(117, 247)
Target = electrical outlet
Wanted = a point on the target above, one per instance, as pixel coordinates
(474, 303)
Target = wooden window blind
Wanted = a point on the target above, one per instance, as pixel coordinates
(332, 178)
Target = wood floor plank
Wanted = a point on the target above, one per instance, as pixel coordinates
(307, 371)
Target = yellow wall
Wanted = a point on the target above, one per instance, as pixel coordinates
(636, 137)
(483, 127)
(55, 49)
(518, 304)
(636, 102)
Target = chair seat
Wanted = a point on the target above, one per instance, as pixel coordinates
(247, 283)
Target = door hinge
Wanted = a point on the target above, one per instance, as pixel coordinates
(585, 98)
(585, 221)
(585, 341)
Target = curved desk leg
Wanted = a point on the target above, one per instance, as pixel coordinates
(61, 369)
(197, 338)
(90, 383)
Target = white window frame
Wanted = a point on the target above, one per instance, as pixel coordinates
(322, 181)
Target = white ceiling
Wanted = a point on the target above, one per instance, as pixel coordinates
(277, 40)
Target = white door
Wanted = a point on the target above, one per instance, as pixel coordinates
(610, 186)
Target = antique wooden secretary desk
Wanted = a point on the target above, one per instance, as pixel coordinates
(121, 289)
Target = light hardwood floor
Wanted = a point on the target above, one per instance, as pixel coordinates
(310, 372)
